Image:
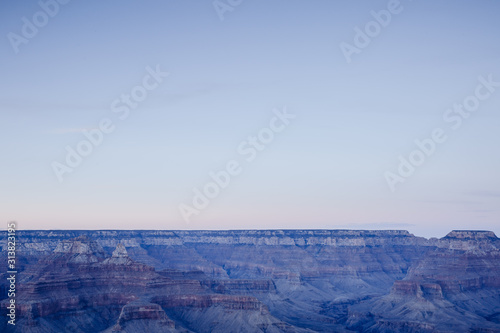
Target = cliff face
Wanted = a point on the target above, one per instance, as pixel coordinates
(260, 280)
(454, 286)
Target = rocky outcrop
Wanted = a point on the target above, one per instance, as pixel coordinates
(452, 287)
(143, 317)
(206, 301)
(475, 235)
(470, 241)
(236, 286)
(80, 250)
(121, 259)
(45, 240)
(414, 289)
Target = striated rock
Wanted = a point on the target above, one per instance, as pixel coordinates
(430, 291)
(471, 235)
(388, 326)
(138, 316)
(206, 301)
(79, 250)
(240, 286)
(120, 257)
(79, 245)
(223, 313)
(120, 252)
(452, 287)
(254, 281)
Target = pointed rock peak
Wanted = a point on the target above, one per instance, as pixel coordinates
(119, 257)
(120, 251)
(471, 235)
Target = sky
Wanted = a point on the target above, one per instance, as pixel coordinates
(308, 114)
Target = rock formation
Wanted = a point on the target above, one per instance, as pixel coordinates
(254, 281)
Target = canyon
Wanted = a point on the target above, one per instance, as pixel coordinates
(253, 281)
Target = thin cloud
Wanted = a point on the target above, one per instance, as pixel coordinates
(484, 193)
(69, 130)
(451, 202)
(380, 225)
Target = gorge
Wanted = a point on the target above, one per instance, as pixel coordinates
(253, 281)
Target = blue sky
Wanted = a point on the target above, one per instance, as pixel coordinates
(325, 170)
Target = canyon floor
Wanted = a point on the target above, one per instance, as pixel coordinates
(253, 281)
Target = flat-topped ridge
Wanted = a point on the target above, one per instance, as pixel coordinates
(471, 235)
(223, 233)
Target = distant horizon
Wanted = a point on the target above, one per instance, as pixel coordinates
(280, 229)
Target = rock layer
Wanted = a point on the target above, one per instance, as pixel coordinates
(255, 281)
